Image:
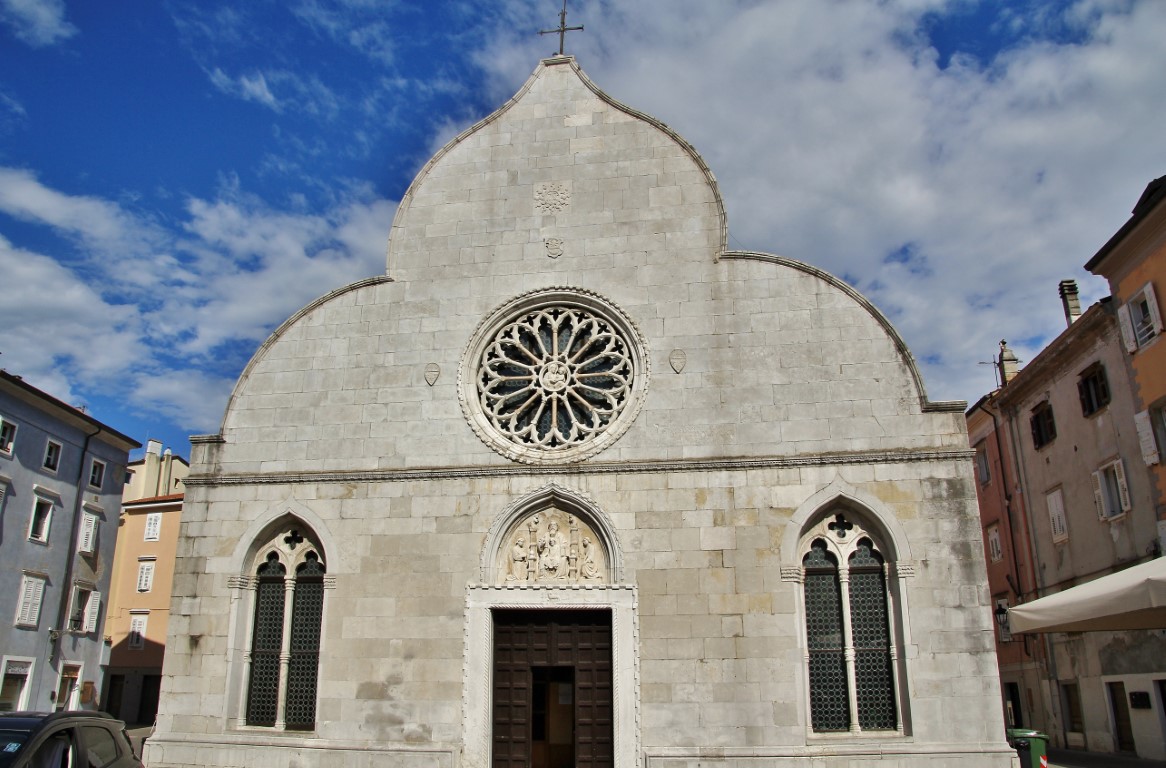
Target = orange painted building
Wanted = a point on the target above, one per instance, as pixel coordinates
(140, 589)
(1134, 263)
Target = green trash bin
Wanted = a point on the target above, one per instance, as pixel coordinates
(1032, 746)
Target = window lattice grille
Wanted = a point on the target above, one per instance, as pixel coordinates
(266, 642)
(828, 684)
(871, 634)
(307, 613)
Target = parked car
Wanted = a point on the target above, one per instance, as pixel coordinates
(64, 740)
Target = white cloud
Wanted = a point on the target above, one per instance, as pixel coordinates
(98, 222)
(38, 23)
(56, 327)
(837, 139)
(153, 323)
(190, 398)
(248, 87)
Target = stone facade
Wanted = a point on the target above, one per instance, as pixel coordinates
(686, 416)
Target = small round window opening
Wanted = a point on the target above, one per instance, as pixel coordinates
(555, 376)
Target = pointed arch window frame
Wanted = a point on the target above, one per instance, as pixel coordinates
(293, 545)
(842, 528)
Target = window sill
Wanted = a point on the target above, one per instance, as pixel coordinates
(269, 731)
(857, 738)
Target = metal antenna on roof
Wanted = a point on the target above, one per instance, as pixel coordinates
(562, 29)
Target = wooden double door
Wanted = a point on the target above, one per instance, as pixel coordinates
(552, 689)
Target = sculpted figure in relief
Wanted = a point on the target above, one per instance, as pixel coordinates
(551, 547)
(517, 561)
(552, 553)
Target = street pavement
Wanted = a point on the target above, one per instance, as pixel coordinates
(1058, 758)
(1072, 758)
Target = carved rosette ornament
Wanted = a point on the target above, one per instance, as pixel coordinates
(556, 376)
(551, 198)
(551, 547)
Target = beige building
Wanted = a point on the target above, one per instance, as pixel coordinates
(1070, 424)
(141, 584)
(573, 484)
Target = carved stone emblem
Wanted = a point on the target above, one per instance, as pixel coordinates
(677, 360)
(432, 371)
(554, 247)
(552, 547)
(551, 198)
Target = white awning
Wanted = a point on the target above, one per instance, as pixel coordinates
(1131, 599)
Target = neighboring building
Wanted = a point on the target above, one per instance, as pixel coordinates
(143, 574)
(1134, 263)
(61, 474)
(157, 473)
(1007, 550)
(1069, 423)
(573, 484)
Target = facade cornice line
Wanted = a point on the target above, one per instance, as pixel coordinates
(634, 467)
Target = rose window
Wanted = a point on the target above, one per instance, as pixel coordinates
(555, 380)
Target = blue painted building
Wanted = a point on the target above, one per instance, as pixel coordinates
(61, 477)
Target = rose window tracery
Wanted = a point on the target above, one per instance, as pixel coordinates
(554, 379)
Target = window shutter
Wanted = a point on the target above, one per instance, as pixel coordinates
(1127, 329)
(145, 576)
(92, 609)
(1057, 524)
(1149, 445)
(153, 526)
(88, 534)
(1083, 395)
(1123, 490)
(1098, 499)
(1152, 304)
(30, 600)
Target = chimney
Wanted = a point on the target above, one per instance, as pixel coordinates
(1072, 305)
(1006, 363)
(153, 447)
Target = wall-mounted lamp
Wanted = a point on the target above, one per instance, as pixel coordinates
(54, 635)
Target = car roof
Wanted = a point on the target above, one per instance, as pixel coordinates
(32, 721)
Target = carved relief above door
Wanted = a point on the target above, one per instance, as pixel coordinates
(551, 546)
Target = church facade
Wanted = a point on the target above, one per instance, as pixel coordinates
(573, 484)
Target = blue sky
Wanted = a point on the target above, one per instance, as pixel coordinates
(178, 177)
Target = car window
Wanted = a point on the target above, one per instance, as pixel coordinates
(54, 752)
(10, 744)
(100, 746)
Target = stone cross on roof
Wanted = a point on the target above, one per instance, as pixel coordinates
(562, 29)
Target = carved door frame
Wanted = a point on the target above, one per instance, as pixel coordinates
(482, 600)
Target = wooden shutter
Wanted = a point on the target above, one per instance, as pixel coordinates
(88, 534)
(1127, 328)
(1152, 305)
(92, 610)
(1098, 496)
(137, 637)
(145, 576)
(1057, 523)
(153, 526)
(1123, 490)
(1146, 439)
(30, 600)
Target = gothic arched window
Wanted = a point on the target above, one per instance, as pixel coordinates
(283, 656)
(851, 657)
